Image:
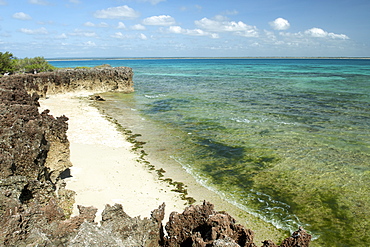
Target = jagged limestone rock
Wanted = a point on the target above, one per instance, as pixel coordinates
(90, 234)
(67, 80)
(133, 231)
(201, 225)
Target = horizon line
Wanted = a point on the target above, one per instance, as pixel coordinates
(142, 58)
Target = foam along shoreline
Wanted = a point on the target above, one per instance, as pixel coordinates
(105, 170)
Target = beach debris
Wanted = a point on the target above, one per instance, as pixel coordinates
(97, 98)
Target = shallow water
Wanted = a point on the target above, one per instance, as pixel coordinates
(287, 140)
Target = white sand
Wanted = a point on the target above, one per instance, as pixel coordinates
(105, 170)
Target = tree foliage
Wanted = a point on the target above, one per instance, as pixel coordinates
(36, 64)
(7, 62)
(10, 64)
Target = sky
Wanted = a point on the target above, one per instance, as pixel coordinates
(174, 28)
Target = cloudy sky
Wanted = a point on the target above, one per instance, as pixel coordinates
(174, 28)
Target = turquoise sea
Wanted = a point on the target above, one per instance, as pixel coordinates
(285, 139)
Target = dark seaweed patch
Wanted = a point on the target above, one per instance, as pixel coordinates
(218, 149)
(233, 165)
(164, 105)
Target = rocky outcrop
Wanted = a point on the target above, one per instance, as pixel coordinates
(34, 151)
(67, 80)
(33, 145)
(201, 226)
(298, 238)
(35, 207)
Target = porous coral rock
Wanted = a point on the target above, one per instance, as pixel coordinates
(202, 225)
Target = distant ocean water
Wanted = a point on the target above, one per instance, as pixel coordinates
(285, 139)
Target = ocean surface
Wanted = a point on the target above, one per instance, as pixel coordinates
(285, 139)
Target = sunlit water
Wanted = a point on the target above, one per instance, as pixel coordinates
(284, 139)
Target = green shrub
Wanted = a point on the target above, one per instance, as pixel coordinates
(7, 63)
(36, 64)
(82, 67)
(10, 64)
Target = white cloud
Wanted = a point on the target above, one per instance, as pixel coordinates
(78, 32)
(62, 36)
(119, 35)
(90, 24)
(45, 22)
(39, 2)
(143, 36)
(231, 12)
(176, 29)
(249, 33)
(198, 7)
(280, 24)
(22, 16)
(41, 30)
(89, 43)
(120, 12)
(270, 35)
(192, 32)
(319, 33)
(121, 25)
(154, 2)
(195, 7)
(220, 24)
(292, 35)
(314, 33)
(138, 27)
(195, 32)
(199, 32)
(220, 18)
(160, 20)
(103, 24)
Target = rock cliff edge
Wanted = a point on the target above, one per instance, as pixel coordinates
(67, 80)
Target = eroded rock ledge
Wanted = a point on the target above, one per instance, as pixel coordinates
(35, 207)
(67, 80)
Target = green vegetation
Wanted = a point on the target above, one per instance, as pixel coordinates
(30, 65)
(102, 66)
(7, 63)
(81, 67)
(10, 64)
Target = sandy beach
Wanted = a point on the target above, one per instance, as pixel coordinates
(105, 170)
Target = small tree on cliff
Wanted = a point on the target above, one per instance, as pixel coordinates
(7, 63)
(36, 64)
(10, 64)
